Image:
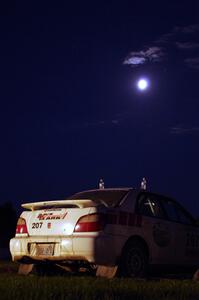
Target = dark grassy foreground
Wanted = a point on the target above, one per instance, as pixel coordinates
(13, 286)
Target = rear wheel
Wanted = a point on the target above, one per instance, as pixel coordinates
(134, 260)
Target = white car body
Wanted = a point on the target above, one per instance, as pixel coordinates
(55, 233)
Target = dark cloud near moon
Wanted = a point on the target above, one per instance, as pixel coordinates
(151, 54)
(182, 130)
(183, 40)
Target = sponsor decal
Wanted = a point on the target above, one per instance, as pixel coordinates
(51, 216)
(49, 225)
(192, 244)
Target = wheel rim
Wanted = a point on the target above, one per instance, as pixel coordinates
(135, 262)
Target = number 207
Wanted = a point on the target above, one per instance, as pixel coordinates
(37, 225)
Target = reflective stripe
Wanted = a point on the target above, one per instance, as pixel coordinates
(131, 221)
(138, 220)
(125, 219)
(111, 219)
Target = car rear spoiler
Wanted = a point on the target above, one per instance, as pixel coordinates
(77, 203)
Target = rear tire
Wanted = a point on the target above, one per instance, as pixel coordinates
(134, 260)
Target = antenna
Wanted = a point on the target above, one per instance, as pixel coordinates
(143, 184)
(101, 184)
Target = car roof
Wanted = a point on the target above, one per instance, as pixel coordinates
(108, 189)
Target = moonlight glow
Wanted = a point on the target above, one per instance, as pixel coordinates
(142, 84)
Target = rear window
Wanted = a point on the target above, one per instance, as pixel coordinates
(109, 198)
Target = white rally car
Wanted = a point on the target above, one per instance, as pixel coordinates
(107, 230)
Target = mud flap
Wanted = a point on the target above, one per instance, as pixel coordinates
(106, 271)
(196, 275)
(25, 269)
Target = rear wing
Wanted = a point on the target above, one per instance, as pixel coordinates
(77, 203)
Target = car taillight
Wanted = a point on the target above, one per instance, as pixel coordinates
(92, 222)
(21, 226)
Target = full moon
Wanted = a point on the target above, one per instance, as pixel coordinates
(142, 84)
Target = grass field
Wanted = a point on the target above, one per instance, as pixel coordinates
(13, 286)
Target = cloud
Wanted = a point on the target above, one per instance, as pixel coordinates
(152, 54)
(99, 123)
(178, 33)
(181, 130)
(115, 122)
(134, 60)
(187, 45)
(192, 62)
(181, 40)
(186, 29)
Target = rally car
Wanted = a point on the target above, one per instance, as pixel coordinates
(121, 230)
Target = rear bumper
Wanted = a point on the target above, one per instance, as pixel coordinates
(97, 249)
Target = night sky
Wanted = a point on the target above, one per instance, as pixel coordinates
(71, 112)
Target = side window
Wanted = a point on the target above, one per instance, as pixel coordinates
(149, 206)
(183, 216)
(170, 209)
(175, 213)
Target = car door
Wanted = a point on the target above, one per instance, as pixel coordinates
(158, 230)
(186, 233)
(189, 237)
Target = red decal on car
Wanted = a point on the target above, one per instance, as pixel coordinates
(51, 216)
